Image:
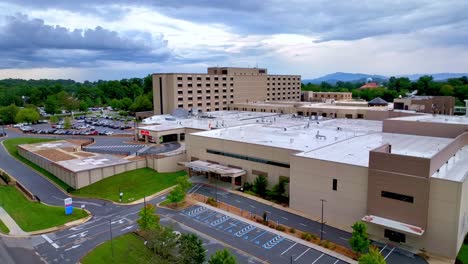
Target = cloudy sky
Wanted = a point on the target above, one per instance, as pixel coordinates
(114, 39)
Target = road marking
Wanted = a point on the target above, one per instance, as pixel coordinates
(259, 235)
(284, 218)
(70, 248)
(252, 206)
(302, 224)
(288, 249)
(317, 258)
(208, 216)
(238, 201)
(82, 234)
(128, 227)
(302, 254)
(345, 239)
(120, 221)
(76, 228)
(382, 249)
(389, 253)
(336, 261)
(50, 241)
(231, 225)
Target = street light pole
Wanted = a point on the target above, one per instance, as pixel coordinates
(321, 227)
(110, 231)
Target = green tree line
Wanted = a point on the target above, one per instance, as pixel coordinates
(132, 95)
(394, 87)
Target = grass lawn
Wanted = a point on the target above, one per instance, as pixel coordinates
(3, 228)
(128, 248)
(134, 185)
(10, 145)
(463, 254)
(32, 216)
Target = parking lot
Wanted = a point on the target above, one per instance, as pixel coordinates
(273, 247)
(83, 126)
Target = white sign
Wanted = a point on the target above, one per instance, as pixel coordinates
(68, 201)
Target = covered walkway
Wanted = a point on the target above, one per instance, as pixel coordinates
(220, 172)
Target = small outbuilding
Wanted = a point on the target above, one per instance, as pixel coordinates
(377, 102)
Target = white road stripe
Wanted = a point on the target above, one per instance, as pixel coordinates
(345, 239)
(288, 249)
(238, 201)
(317, 258)
(389, 253)
(302, 224)
(383, 249)
(336, 261)
(302, 254)
(252, 206)
(47, 238)
(284, 218)
(55, 245)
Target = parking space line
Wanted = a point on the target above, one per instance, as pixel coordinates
(284, 218)
(302, 224)
(208, 216)
(288, 249)
(336, 261)
(252, 206)
(318, 258)
(231, 225)
(302, 254)
(264, 232)
(238, 201)
(383, 248)
(389, 253)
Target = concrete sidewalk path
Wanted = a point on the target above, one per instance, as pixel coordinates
(11, 224)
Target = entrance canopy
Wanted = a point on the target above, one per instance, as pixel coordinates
(205, 166)
(407, 228)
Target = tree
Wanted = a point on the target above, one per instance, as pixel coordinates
(260, 185)
(51, 105)
(372, 257)
(163, 243)
(359, 240)
(278, 189)
(67, 123)
(446, 90)
(142, 103)
(27, 115)
(183, 181)
(177, 195)
(8, 114)
(148, 220)
(191, 250)
(222, 257)
(54, 119)
(125, 103)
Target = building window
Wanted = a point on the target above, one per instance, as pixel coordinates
(242, 157)
(335, 184)
(207, 85)
(216, 78)
(397, 196)
(180, 92)
(179, 85)
(189, 85)
(198, 84)
(179, 78)
(180, 99)
(232, 78)
(216, 85)
(189, 78)
(224, 78)
(224, 72)
(198, 78)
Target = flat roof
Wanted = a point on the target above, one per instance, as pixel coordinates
(446, 119)
(210, 120)
(296, 133)
(456, 168)
(415, 230)
(88, 163)
(356, 150)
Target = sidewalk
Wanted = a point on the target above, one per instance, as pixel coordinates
(11, 224)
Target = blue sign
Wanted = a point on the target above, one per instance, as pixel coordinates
(68, 210)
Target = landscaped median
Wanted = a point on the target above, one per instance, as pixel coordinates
(133, 185)
(34, 216)
(128, 248)
(3, 228)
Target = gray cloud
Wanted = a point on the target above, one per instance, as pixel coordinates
(28, 42)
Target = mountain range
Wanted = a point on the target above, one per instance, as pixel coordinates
(362, 77)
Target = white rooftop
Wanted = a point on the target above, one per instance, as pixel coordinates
(99, 161)
(299, 134)
(456, 168)
(355, 151)
(436, 119)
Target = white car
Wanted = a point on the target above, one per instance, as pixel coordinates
(109, 133)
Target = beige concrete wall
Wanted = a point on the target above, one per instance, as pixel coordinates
(311, 180)
(197, 146)
(463, 214)
(166, 164)
(249, 88)
(424, 128)
(168, 97)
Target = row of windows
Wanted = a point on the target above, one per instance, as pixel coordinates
(180, 92)
(206, 85)
(179, 78)
(201, 104)
(397, 196)
(284, 88)
(284, 78)
(181, 99)
(284, 98)
(284, 84)
(242, 157)
(268, 94)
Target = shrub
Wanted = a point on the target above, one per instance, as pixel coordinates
(5, 176)
(271, 225)
(281, 228)
(211, 201)
(292, 230)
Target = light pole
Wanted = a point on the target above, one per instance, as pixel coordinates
(321, 227)
(110, 231)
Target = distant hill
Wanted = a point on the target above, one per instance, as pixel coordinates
(361, 77)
